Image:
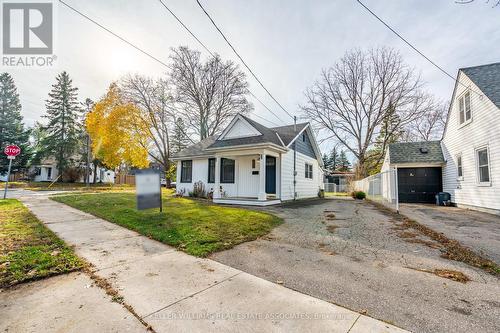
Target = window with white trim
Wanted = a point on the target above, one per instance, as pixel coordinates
(308, 171)
(460, 169)
(483, 165)
(464, 108)
(186, 171)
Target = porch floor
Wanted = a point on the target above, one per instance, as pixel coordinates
(249, 201)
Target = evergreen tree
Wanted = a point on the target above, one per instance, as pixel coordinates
(326, 162)
(63, 132)
(12, 130)
(344, 164)
(179, 138)
(334, 159)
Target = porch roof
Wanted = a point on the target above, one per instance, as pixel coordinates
(279, 137)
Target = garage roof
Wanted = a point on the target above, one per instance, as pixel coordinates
(416, 152)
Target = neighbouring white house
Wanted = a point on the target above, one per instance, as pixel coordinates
(47, 171)
(471, 140)
(466, 162)
(249, 163)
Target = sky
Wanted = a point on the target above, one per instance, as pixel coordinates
(286, 43)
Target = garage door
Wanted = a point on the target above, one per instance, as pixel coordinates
(419, 185)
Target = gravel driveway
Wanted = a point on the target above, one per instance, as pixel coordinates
(349, 253)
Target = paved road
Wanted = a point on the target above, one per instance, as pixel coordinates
(477, 230)
(358, 260)
(175, 292)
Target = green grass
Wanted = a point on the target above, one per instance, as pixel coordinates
(196, 227)
(28, 250)
(46, 186)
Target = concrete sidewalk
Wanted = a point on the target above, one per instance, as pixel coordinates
(173, 291)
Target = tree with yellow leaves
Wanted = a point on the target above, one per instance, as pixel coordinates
(116, 134)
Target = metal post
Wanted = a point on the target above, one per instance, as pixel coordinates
(295, 159)
(8, 176)
(161, 202)
(87, 170)
(396, 188)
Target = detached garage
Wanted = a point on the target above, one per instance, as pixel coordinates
(419, 169)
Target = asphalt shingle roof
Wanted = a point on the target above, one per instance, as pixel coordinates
(198, 149)
(487, 78)
(409, 152)
(268, 135)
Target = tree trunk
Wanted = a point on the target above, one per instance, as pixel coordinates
(95, 173)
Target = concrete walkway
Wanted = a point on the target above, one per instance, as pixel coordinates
(176, 292)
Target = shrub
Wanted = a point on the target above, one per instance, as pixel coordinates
(73, 174)
(360, 195)
(199, 190)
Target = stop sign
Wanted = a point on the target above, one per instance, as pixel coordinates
(12, 150)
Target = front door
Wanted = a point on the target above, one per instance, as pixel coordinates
(270, 174)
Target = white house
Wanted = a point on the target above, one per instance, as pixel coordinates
(466, 162)
(471, 140)
(47, 171)
(249, 163)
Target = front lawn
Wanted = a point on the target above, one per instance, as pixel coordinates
(49, 186)
(28, 250)
(196, 227)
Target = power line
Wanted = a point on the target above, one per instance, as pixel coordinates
(149, 54)
(413, 47)
(112, 33)
(213, 54)
(243, 61)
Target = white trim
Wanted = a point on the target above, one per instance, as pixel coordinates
(246, 202)
(279, 137)
(248, 146)
(462, 96)
(231, 124)
(478, 173)
(317, 151)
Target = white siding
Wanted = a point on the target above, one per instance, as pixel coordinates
(240, 129)
(305, 188)
(200, 173)
(483, 130)
(248, 184)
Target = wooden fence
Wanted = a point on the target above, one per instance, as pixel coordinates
(124, 179)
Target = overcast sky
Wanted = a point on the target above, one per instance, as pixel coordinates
(285, 42)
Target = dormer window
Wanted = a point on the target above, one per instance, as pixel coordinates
(464, 109)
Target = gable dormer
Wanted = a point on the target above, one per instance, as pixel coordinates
(239, 128)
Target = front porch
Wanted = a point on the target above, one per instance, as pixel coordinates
(247, 177)
(247, 201)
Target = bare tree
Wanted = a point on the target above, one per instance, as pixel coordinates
(157, 116)
(363, 99)
(465, 2)
(209, 93)
(431, 125)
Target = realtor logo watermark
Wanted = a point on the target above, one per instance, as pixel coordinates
(28, 38)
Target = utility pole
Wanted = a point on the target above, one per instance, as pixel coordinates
(295, 159)
(87, 170)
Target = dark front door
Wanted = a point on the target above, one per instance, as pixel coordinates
(419, 185)
(270, 174)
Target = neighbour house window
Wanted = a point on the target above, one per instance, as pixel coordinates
(186, 171)
(253, 164)
(211, 170)
(309, 171)
(38, 171)
(49, 173)
(460, 170)
(227, 171)
(483, 165)
(464, 109)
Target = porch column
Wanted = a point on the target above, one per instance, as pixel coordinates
(217, 178)
(262, 178)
